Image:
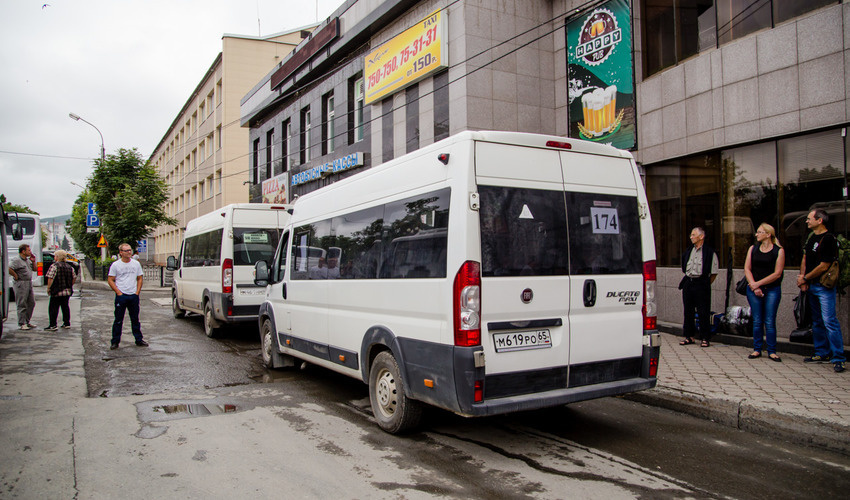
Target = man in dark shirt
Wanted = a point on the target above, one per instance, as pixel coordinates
(821, 251)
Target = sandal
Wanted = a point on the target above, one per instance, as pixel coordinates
(705, 343)
(755, 354)
(775, 357)
(687, 341)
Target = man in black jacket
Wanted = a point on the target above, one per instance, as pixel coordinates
(699, 263)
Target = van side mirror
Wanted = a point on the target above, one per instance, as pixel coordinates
(17, 231)
(261, 273)
(171, 263)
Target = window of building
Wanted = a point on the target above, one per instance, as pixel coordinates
(674, 30)
(194, 122)
(218, 93)
(356, 100)
(218, 184)
(387, 129)
(193, 198)
(328, 123)
(441, 105)
(269, 154)
(305, 135)
(285, 145)
(411, 116)
(210, 187)
(731, 192)
(210, 145)
(255, 165)
(218, 134)
(194, 159)
(202, 150)
(201, 196)
(202, 110)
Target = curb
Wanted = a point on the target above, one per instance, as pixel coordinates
(740, 414)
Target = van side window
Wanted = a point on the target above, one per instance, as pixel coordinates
(279, 265)
(251, 245)
(523, 232)
(309, 258)
(358, 243)
(415, 236)
(604, 234)
(203, 249)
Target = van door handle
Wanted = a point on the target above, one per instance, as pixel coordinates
(283, 290)
(589, 293)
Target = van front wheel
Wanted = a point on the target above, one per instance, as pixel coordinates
(175, 306)
(393, 410)
(211, 326)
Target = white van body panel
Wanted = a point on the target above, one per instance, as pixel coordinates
(341, 323)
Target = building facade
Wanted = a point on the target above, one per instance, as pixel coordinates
(203, 155)
(738, 109)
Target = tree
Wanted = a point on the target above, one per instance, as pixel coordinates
(84, 241)
(11, 207)
(66, 245)
(129, 196)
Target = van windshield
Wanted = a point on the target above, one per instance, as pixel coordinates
(251, 245)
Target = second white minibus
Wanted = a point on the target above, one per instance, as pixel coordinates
(490, 272)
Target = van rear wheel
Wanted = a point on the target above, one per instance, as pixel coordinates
(175, 306)
(211, 327)
(393, 410)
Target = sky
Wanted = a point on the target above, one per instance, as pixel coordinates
(125, 66)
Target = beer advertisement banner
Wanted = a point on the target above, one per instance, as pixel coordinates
(407, 58)
(600, 72)
(274, 189)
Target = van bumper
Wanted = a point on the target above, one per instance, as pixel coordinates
(238, 314)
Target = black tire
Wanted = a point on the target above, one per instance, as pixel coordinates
(175, 307)
(272, 358)
(394, 411)
(212, 328)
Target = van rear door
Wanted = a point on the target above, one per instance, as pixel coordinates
(606, 268)
(255, 236)
(525, 284)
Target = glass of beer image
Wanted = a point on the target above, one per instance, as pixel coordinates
(599, 110)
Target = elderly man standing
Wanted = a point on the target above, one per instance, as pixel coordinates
(21, 269)
(699, 263)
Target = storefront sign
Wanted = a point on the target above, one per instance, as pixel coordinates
(601, 81)
(407, 58)
(333, 167)
(274, 189)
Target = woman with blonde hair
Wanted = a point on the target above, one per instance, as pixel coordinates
(763, 268)
(60, 287)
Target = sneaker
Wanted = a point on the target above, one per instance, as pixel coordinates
(113, 347)
(51, 328)
(141, 343)
(30, 325)
(838, 367)
(25, 327)
(817, 359)
(66, 327)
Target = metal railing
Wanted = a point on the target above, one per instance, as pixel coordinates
(152, 273)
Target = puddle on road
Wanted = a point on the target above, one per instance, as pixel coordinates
(195, 409)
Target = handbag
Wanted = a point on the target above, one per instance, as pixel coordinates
(830, 277)
(741, 286)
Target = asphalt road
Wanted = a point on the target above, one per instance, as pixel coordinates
(611, 447)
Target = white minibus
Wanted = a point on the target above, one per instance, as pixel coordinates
(490, 272)
(214, 273)
(14, 234)
(29, 229)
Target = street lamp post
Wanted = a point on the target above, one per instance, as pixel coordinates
(102, 160)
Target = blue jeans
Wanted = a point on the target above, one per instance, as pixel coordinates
(129, 303)
(826, 331)
(764, 317)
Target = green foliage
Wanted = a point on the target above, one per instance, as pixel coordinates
(66, 245)
(130, 196)
(76, 227)
(12, 207)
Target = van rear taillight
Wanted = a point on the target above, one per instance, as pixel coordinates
(227, 276)
(40, 268)
(466, 297)
(650, 315)
(559, 144)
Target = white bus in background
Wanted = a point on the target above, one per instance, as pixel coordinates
(214, 273)
(30, 227)
(488, 273)
(8, 239)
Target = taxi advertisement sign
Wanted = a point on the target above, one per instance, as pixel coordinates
(407, 58)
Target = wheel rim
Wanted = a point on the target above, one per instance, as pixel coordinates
(386, 393)
(267, 344)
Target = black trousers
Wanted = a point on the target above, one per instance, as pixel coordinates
(53, 310)
(696, 297)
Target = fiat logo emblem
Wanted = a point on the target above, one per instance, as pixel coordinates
(526, 295)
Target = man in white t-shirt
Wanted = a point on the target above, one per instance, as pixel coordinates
(125, 279)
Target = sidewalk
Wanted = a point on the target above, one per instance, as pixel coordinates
(791, 400)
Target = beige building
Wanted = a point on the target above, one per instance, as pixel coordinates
(204, 154)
